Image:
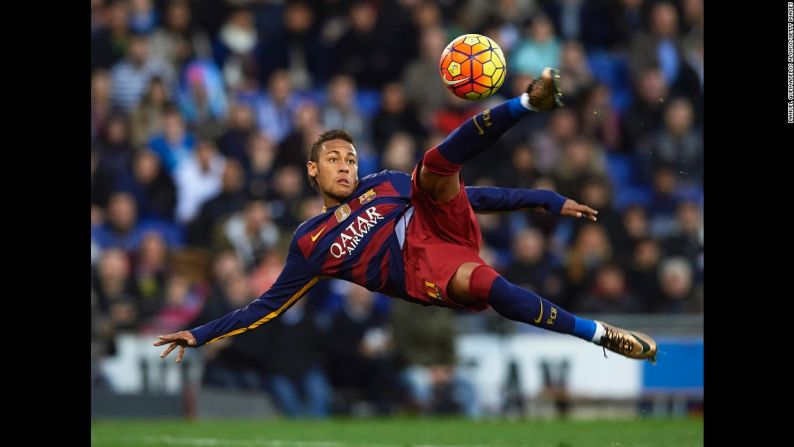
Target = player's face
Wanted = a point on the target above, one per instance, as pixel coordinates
(336, 169)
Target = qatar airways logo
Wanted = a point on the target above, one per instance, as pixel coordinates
(354, 233)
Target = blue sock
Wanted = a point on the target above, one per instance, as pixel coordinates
(519, 304)
(584, 328)
(481, 131)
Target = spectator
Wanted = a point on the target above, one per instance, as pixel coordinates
(228, 201)
(109, 41)
(575, 75)
(423, 95)
(202, 99)
(147, 117)
(149, 274)
(101, 87)
(521, 171)
(679, 146)
(181, 305)
(590, 251)
(143, 16)
(261, 158)
(236, 46)
(395, 115)
(588, 21)
(341, 111)
(238, 362)
(286, 196)
(664, 203)
(599, 120)
(540, 50)
(361, 358)
(662, 48)
(294, 150)
(276, 111)
(298, 381)
(535, 268)
(609, 293)
(251, 232)
(549, 143)
(179, 40)
(297, 48)
(686, 240)
(634, 226)
(232, 143)
(152, 187)
(113, 156)
(114, 291)
(642, 273)
(399, 153)
(132, 74)
(121, 227)
(644, 115)
(425, 349)
(582, 161)
(175, 144)
(363, 51)
(198, 179)
(678, 291)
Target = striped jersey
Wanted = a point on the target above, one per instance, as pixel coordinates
(361, 241)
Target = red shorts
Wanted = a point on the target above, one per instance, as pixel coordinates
(438, 240)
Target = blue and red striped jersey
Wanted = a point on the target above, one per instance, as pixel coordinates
(355, 241)
(360, 241)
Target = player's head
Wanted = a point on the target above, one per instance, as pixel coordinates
(333, 165)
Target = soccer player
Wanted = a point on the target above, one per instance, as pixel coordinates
(416, 237)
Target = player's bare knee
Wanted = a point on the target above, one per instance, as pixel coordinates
(459, 285)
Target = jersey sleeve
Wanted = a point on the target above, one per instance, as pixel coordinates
(294, 281)
(493, 199)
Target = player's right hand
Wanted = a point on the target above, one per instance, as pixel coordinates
(573, 209)
(182, 339)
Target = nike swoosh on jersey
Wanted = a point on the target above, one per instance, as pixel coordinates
(455, 82)
(315, 236)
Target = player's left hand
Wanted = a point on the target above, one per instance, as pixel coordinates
(182, 339)
(573, 209)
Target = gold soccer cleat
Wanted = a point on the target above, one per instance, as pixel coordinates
(544, 92)
(634, 345)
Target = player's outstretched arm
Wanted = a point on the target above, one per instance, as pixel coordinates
(294, 281)
(490, 199)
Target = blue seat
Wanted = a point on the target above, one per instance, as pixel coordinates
(368, 102)
(632, 195)
(619, 169)
(613, 71)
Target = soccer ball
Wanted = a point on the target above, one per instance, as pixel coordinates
(472, 66)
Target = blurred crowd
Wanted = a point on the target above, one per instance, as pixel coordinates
(202, 113)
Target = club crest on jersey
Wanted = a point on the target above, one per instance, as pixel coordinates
(342, 213)
(367, 197)
(433, 290)
(354, 233)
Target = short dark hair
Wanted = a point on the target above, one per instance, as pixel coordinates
(314, 154)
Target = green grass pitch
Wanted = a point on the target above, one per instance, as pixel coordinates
(398, 432)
